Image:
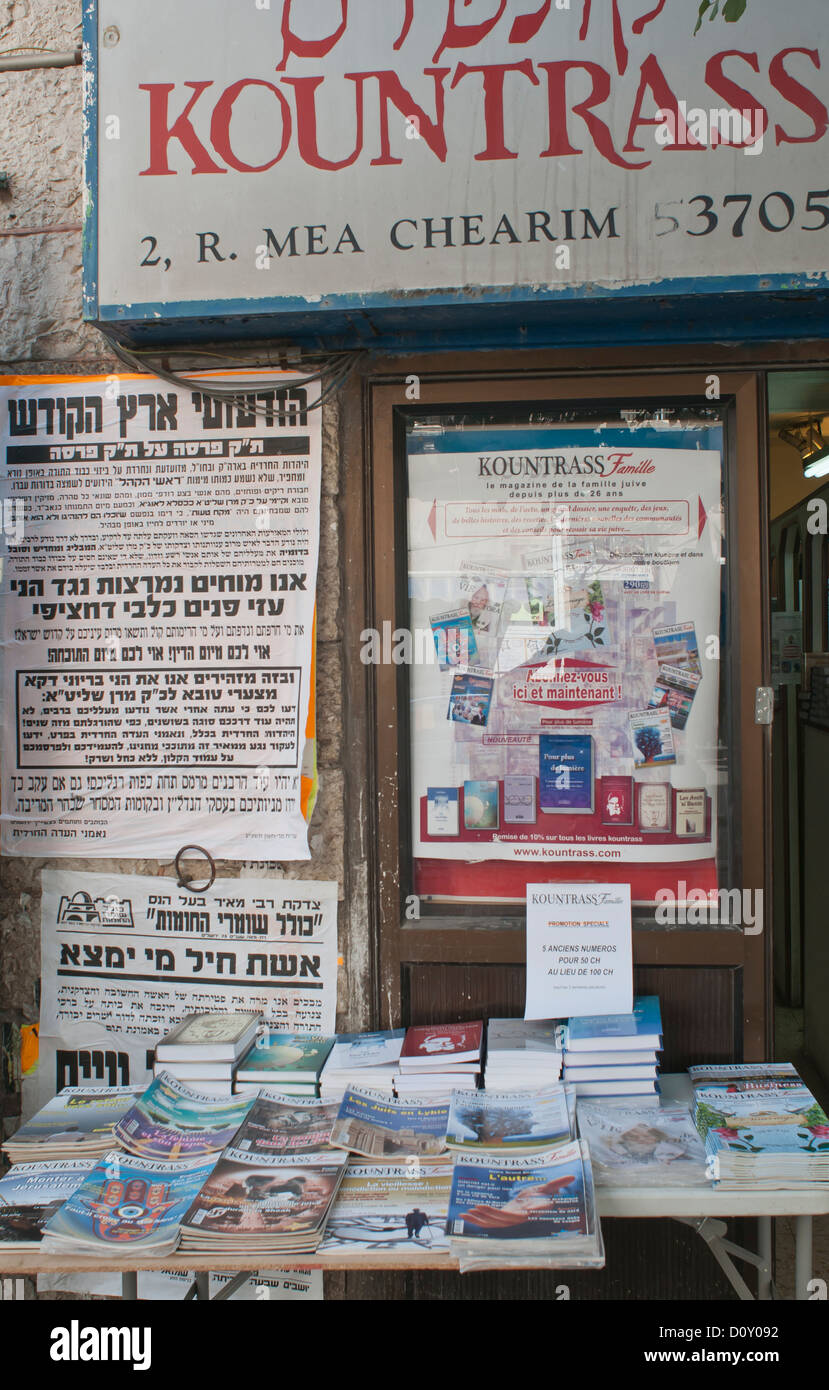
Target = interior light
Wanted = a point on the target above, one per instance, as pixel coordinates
(810, 444)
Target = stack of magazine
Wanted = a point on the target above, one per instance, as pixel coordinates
(510, 1121)
(379, 1126)
(639, 1146)
(437, 1057)
(31, 1194)
(522, 1053)
(263, 1204)
(126, 1207)
(204, 1050)
(362, 1059)
(762, 1126)
(289, 1062)
(170, 1121)
(525, 1210)
(615, 1054)
(77, 1123)
(397, 1208)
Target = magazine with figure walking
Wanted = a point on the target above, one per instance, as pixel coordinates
(391, 1206)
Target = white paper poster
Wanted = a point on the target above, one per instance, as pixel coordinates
(280, 1285)
(157, 607)
(579, 950)
(125, 957)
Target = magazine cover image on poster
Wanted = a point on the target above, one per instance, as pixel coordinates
(565, 584)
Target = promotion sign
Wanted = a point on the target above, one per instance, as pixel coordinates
(339, 152)
(579, 950)
(157, 616)
(578, 573)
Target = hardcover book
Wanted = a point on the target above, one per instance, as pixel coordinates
(480, 805)
(285, 1057)
(442, 811)
(618, 1032)
(519, 800)
(441, 1045)
(565, 773)
(208, 1038)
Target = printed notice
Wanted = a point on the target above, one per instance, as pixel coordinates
(126, 957)
(158, 611)
(579, 950)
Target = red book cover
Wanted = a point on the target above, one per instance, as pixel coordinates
(440, 1045)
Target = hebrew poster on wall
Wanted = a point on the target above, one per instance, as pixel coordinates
(158, 610)
(125, 957)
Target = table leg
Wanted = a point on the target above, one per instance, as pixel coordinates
(802, 1256)
(129, 1284)
(203, 1286)
(764, 1271)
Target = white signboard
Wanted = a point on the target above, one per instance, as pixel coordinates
(579, 950)
(157, 616)
(336, 153)
(126, 957)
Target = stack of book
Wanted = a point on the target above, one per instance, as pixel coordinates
(510, 1121)
(615, 1054)
(31, 1194)
(126, 1207)
(78, 1123)
(288, 1062)
(362, 1059)
(534, 1210)
(522, 1053)
(172, 1122)
(762, 1126)
(204, 1050)
(635, 1146)
(437, 1058)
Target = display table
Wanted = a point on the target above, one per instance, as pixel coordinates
(705, 1209)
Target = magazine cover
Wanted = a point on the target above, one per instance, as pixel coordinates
(31, 1193)
(674, 689)
(391, 1206)
(454, 637)
(171, 1121)
(652, 738)
(246, 1196)
(275, 1125)
(470, 697)
(517, 1198)
(629, 1145)
(371, 1123)
(127, 1204)
(78, 1115)
(676, 645)
(721, 1107)
(512, 1121)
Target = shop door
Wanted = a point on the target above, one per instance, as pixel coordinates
(569, 571)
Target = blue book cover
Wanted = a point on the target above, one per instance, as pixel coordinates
(565, 773)
(608, 1029)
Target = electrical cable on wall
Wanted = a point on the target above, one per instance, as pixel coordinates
(333, 370)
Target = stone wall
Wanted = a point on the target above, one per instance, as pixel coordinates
(41, 331)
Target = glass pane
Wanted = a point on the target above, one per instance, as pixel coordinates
(567, 573)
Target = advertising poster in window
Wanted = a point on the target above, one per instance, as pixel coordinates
(565, 595)
(157, 611)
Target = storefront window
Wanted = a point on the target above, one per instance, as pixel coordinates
(568, 717)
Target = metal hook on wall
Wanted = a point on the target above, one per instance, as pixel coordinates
(183, 882)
